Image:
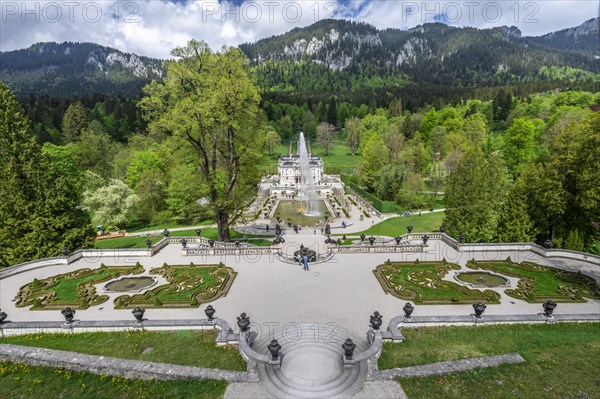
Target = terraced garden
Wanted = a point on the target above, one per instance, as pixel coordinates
(421, 282)
(188, 286)
(540, 283)
(75, 289)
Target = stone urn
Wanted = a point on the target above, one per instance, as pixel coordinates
(398, 239)
(69, 314)
(3, 316)
(237, 243)
(442, 228)
(461, 239)
(425, 239)
(376, 320)
(243, 322)
(274, 348)
(348, 346)
(362, 237)
(409, 228)
(183, 242)
(548, 243)
(211, 243)
(549, 307)
(408, 309)
(166, 232)
(198, 231)
(64, 251)
(138, 313)
(371, 240)
(479, 308)
(148, 243)
(210, 312)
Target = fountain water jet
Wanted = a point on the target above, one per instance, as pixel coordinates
(307, 191)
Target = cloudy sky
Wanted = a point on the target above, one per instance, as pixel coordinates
(154, 27)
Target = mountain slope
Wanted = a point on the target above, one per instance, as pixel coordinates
(581, 39)
(334, 57)
(431, 53)
(68, 69)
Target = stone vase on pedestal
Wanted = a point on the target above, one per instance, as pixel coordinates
(138, 313)
(69, 314)
(348, 346)
(376, 320)
(210, 312)
(479, 308)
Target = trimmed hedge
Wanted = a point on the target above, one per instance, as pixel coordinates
(538, 283)
(380, 205)
(75, 289)
(421, 282)
(188, 287)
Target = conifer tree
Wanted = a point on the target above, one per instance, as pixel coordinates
(39, 211)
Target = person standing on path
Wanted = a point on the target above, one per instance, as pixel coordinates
(305, 261)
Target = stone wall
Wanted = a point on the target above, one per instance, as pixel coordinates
(114, 366)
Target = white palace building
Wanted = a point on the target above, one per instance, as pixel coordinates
(288, 169)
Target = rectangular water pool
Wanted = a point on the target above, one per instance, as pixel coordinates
(293, 210)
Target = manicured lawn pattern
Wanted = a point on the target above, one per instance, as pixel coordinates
(189, 286)
(75, 289)
(421, 282)
(540, 283)
(183, 347)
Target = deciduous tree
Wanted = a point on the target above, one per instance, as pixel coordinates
(209, 99)
(325, 135)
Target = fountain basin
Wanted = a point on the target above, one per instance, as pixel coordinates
(130, 284)
(312, 255)
(482, 279)
(295, 212)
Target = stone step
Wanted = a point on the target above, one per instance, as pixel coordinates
(312, 365)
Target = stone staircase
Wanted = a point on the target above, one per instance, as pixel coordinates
(312, 364)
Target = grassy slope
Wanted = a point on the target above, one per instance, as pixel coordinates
(211, 233)
(425, 223)
(19, 381)
(185, 347)
(562, 361)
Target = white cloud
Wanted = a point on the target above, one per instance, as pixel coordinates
(154, 28)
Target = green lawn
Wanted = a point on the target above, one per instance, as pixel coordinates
(562, 361)
(210, 233)
(185, 347)
(127, 242)
(20, 381)
(136, 227)
(426, 223)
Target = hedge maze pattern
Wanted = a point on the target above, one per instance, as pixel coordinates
(541, 283)
(421, 282)
(189, 287)
(75, 289)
